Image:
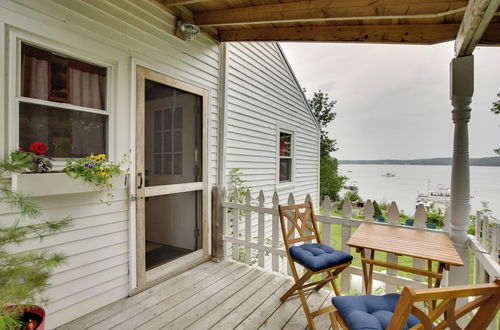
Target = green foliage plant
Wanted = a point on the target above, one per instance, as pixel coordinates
(331, 182)
(236, 182)
(376, 207)
(23, 276)
(96, 170)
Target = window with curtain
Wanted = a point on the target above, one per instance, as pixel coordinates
(78, 128)
(285, 155)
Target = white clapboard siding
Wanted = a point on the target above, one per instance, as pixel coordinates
(116, 31)
(262, 96)
(96, 247)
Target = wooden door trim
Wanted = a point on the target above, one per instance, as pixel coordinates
(173, 189)
(142, 278)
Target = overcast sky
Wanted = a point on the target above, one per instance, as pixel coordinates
(393, 100)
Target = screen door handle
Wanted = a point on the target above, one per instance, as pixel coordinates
(140, 180)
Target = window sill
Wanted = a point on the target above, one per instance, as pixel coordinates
(46, 184)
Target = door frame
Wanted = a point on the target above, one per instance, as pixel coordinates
(144, 277)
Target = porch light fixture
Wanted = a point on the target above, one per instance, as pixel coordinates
(188, 30)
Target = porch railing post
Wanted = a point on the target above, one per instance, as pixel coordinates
(462, 88)
(218, 220)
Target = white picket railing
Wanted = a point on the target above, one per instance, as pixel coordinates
(485, 245)
(251, 234)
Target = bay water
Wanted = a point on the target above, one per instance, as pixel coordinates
(409, 180)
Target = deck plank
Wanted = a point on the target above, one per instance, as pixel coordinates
(251, 304)
(212, 306)
(315, 301)
(181, 306)
(225, 295)
(323, 321)
(121, 307)
(164, 305)
(265, 310)
(229, 305)
(283, 313)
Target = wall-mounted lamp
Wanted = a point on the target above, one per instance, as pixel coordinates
(188, 31)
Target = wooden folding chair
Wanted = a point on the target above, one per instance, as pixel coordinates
(395, 312)
(316, 258)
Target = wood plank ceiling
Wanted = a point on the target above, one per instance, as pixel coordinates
(374, 21)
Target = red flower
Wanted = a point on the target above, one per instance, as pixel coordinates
(38, 148)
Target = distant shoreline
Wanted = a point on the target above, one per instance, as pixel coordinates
(485, 161)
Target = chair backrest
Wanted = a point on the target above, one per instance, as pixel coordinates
(302, 222)
(487, 303)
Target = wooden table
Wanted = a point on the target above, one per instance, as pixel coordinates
(401, 241)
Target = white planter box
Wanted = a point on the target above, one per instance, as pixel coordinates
(44, 184)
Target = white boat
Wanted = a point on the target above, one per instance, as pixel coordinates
(352, 186)
(389, 175)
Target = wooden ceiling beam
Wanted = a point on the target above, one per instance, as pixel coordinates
(476, 19)
(491, 36)
(404, 34)
(321, 10)
(173, 3)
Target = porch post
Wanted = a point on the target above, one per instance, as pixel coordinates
(462, 87)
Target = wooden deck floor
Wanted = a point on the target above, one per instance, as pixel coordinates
(226, 295)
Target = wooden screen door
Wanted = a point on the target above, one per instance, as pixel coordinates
(171, 175)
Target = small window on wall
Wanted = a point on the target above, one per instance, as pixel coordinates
(62, 104)
(286, 157)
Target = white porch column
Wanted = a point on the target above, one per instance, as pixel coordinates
(462, 88)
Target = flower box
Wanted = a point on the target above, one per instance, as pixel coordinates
(44, 184)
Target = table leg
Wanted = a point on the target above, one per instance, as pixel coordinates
(431, 303)
(370, 273)
(440, 271)
(364, 267)
(429, 268)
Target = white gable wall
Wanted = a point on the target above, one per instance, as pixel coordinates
(121, 34)
(263, 97)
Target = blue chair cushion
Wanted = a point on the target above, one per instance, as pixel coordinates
(369, 312)
(318, 256)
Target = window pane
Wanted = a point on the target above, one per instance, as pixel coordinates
(178, 141)
(168, 164)
(157, 142)
(285, 170)
(178, 118)
(178, 164)
(158, 164)
(181, 134)
(67, 133)
(285, 145)
(168, 119)
(47, 76)
(158, 120)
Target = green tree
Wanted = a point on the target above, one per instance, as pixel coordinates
(23, 276)
(495, 108)
(330, 181)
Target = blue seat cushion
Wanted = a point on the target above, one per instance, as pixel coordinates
(317, 256)
(369, 312)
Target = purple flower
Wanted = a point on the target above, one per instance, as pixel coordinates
(90, 165)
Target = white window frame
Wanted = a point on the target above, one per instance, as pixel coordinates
(16, 38)
(288, 129)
